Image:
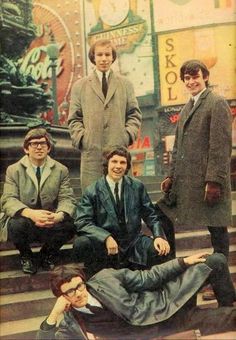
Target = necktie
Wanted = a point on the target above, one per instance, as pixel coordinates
(38, 174)
(93, 309)
(116, 192)
(104, 84)
(192, 103)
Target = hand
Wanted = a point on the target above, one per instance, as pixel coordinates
(161, 246)
(112, 246)
(61, 305)
(41, 218)
(166, 184)
(212, 193)
(196, 258)
(57, 217)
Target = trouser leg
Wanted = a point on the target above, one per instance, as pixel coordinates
(21, 232)
(154, 258)
(220, 240)
(54, 238)
(207, 320)
(220, 279)
(92, 254)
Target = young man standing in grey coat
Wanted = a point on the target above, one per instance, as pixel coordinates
(103, 113)
(198, 191)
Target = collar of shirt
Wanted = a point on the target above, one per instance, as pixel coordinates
(195, 98)
(99, 74)
(91, 301)
(112, 184)
(35, 167)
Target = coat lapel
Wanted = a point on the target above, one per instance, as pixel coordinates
(112, 86)
(30, 171)
(188, 114)
(106, 199)
(47, 170)
(128, 198)
(96, 85)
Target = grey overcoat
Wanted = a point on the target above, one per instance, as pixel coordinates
(21, 188)
(97, 123)
(202, 153)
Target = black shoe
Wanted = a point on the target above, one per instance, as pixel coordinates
(48, 262)
(28, 266)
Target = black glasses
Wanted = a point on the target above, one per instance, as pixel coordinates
(34, 145)
(71, 292)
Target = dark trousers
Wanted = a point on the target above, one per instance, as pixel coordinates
(220, 240)
(210, 320)
(22, 231)
(94, 255)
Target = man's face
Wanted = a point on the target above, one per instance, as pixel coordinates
(195, 83)
(103, 57)
(117, 166)
(37, 150)
(75, 292)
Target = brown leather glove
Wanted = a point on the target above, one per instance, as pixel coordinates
(166, 184)
(212, 193)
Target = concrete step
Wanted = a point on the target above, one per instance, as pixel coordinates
(36, 303)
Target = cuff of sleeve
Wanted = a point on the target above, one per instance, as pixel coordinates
(182, 263)
(45, 326)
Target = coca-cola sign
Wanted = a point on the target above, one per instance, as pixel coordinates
(36, 61)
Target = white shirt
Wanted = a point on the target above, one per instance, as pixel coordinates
(100, 74)
(112, 184)
(91, 301)
(195, 98)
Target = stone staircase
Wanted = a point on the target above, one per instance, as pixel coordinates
(26, 299)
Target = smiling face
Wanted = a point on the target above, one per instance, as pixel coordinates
(103, 57)
(195, 83)
(117, 166)
(37, 150)
(80, 297)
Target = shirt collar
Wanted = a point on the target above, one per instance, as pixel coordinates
(195, 98)
(100, 74)
(91, 301)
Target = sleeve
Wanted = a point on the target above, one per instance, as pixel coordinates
(10, 200)
(220, 143)
(150, 216)
(66, 198)
(75, 118)
(86, 218)
(144, 280)
(133, 114)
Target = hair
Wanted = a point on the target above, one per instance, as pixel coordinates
(36, 133)
(192, 67)
(120, 151)
(63, 274)
(101, 42)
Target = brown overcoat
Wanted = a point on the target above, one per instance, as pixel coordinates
(97, 123)
(202, 153)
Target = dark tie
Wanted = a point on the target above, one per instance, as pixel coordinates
(38, 174)
(94, 309)
(104, 84)
(116, 192)
(191, 103)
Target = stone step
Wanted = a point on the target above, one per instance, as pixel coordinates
(35, 303)
(184, 240)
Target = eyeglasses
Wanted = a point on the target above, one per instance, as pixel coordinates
(34, 145)
(71, 292)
